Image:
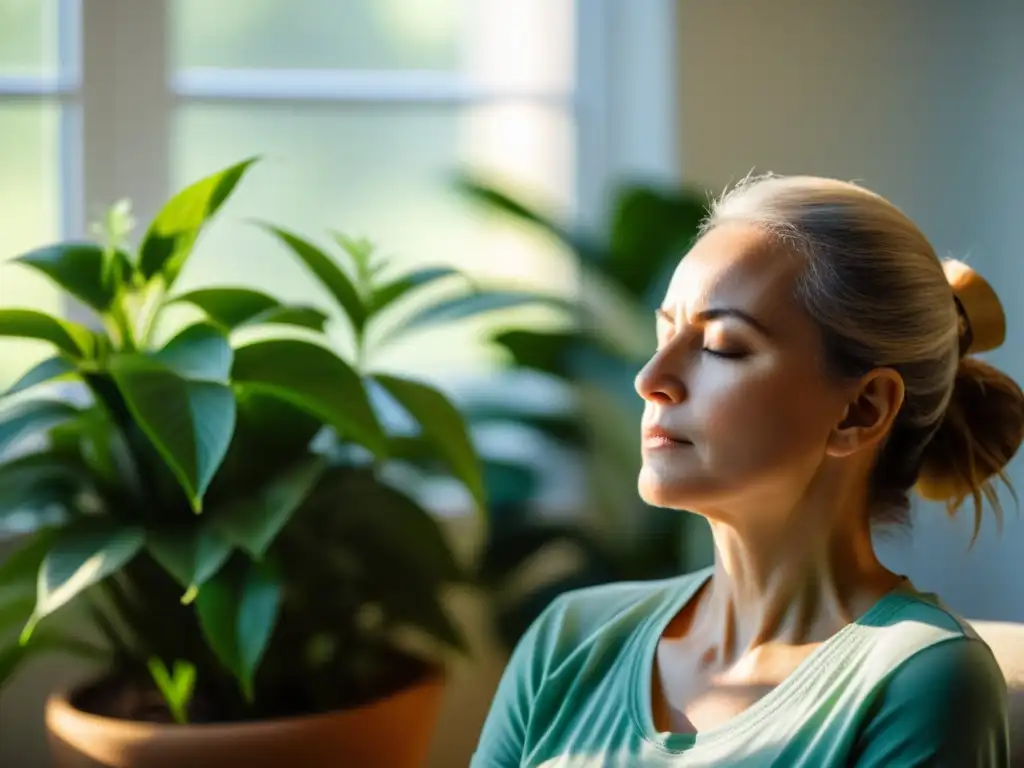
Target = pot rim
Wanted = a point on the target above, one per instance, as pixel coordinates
(59, 707)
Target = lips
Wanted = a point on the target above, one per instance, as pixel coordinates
(659, 437)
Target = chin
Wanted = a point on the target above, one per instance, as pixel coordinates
(670, 492)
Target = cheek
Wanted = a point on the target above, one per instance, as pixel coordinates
(763, 417)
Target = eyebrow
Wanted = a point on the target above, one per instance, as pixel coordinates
(716, 313)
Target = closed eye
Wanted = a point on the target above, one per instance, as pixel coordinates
(725, 354)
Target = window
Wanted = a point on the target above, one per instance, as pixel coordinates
(360, 109)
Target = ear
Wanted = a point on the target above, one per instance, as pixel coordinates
(874, 403)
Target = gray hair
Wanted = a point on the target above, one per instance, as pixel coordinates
(879, 294)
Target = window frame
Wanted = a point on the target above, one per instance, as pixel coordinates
(114, 56)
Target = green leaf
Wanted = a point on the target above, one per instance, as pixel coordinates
(299, 316)
(217, 608)
(237, 614)
(45, 641)
(545, 351)
(314, 379)
(177, 687)
(270, 433)
(235, 307)
(32, 417)
(172, 234)
(443, 425)
(189, 422)
(257, 615)
(472, 304)
(385, 524)
(494, 198)
(51, 369)
(327, 272)
(391, 292)
(191, 555)
(361, 252)
(200, 352)
(651, 230)
(77, 560)
(253, 523)
(22, 566)
(15, 612)
(77, 340)
(35, 482)
(78, 268)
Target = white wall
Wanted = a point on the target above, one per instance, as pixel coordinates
(924, 103)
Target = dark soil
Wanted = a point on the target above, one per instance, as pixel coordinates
(138, 700)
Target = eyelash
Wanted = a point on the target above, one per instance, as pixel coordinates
(724, 355)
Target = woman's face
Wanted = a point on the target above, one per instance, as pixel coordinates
(739, 407)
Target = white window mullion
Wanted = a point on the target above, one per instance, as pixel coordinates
(69, 42)
(126, 105)
(300, 86)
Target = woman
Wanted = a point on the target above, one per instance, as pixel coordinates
(814, 364)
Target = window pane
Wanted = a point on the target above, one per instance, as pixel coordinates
(29, 199)
(383, 173)
(28, 37)
(526, 43)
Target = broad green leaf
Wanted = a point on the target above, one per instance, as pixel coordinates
(32, 417)
(217, 608)
(191, 555)
(391, 292)
(237, 613)
(46, 641)
(316, 380)
(583, 245)
(14, 611)
(651, 230)
(75, 339)
(34, 483)
(327, 272)
(270, 433)
(22, 566)
(443, 425)
(472, 304)
(189, 422)
(177, 686)
(252, 523)
(545, 351)
(504, 202)
(384, 523)
(235, 307)
(77, 560)
(51, 369)
(200, 352)
(172, 234)
(299, 316)
(257, 615)
(78, 268)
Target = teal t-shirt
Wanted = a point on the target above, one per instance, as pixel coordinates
(907, 684)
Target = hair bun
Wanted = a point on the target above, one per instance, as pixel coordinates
(983, 316)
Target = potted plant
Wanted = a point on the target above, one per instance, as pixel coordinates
(624, 273)
(227, 511)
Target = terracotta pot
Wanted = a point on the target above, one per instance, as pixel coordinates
(393, 732)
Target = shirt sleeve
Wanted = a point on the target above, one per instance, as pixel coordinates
(944, 707)
(503, 738)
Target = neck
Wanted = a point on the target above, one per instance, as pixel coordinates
(794, 583)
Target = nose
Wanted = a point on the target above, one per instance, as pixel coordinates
(656, 383)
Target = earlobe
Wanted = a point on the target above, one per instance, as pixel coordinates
(870, 414)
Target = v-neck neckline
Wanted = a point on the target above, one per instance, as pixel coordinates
(643, 669)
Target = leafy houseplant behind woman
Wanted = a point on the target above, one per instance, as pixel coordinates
(219, 508)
